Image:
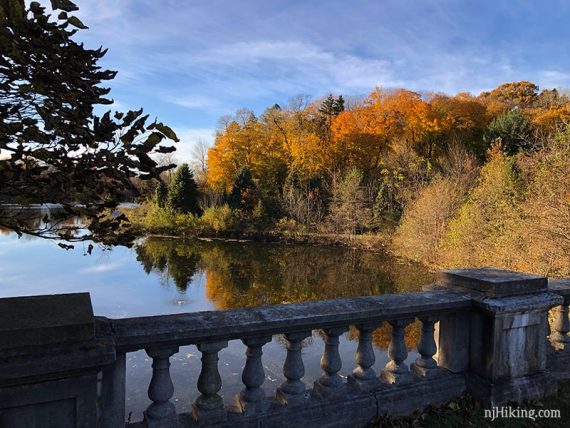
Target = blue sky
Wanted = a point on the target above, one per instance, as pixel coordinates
(190, 62)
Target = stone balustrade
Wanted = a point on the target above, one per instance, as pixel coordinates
(482, 330)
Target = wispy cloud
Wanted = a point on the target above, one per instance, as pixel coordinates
(190, 62)
(188, 139)
(104, 267)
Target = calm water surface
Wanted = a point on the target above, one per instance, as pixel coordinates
(161, 276)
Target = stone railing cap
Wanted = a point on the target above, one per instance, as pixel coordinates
(45, 320)
(493, 282)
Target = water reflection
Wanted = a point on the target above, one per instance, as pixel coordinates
(245, 274)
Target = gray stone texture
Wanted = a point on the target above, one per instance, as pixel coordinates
(50, 361)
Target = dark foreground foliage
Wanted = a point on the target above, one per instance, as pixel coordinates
(53, 147)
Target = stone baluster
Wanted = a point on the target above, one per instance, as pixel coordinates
(330, 383)
(293, 389)
(425, 364)
(209, 406)
(363, 376)
(396, 370)
(161, 412)
(559, 338)
(252, 398)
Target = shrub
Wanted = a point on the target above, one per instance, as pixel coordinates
(159, 220)
(426, 220)
(218, 219)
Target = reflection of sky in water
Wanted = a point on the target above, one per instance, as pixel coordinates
(119, 287)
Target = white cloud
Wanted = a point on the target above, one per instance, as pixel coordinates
(188, 139)
(553, 79)
(99, 268)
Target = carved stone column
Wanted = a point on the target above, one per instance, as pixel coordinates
(330, 384)
(209, 406)
(425, 364)
(363, 376)
(252, 397)
(161, 412)
(293, 389)
(396, 370)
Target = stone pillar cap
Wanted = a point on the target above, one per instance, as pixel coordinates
(493, 282)
(45, 320)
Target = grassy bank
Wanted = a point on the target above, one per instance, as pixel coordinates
(148, 220)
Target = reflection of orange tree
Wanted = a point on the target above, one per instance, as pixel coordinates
(381, 336)
(253, 274)
(249, 274)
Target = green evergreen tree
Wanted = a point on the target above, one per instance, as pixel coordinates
(243, 194)
(332, 106)
(339, 105)
(513, 130)
(161, 194)
(183, 192)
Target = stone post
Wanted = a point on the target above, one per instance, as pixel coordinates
(51, 350)
(507, 330)
(113, 393)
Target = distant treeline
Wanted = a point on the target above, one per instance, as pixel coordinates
(454, 180)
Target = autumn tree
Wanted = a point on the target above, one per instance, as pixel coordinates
(58, 150)
(349, 211)
(521, 94)
(486, 228)
(426, 220)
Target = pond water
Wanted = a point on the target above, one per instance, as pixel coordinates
(162, 276)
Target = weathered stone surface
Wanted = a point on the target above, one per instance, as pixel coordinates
(113, 393)
(493, 282)
(507, 331)
(53, 383)
(45, 320)
(518, 304)
(560, 287)
(31, 364)
(182, 329)
(161, 413)
(353, 410)
(396, 370)
(517, 389)
(453, 341)
(58, 403)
